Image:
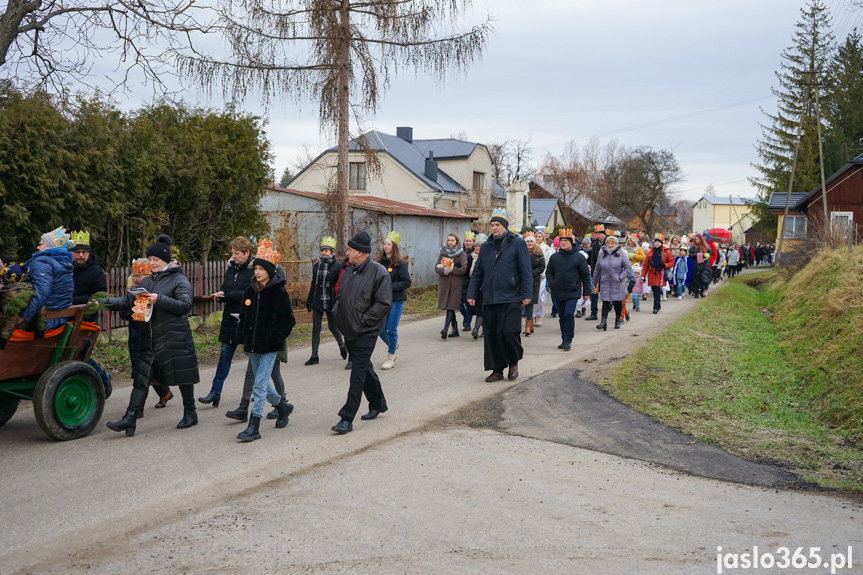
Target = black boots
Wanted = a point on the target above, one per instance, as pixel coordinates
(211, 397)
(591, 317)
(126, 424)
(617, 323)
(190, 418)
(603, 325)
(313, 360)
(251, 433)
(241, 413)
(285, 409)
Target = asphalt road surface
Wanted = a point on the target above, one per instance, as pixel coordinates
(544, 475)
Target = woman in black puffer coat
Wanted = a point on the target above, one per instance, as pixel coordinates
(167, 352)
(266, 320)
(238, 277)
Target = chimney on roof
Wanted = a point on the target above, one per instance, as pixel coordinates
(406, 134)
(431, 167)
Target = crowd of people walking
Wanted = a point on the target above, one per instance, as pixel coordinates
(499, 284)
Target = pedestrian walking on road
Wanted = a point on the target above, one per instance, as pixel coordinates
(637, 287)
(503, 273)
(699, 253)
(610, 278)
(167, 352)
(450, 267)
(464, 308)
(322, 296)
(659, 259)
(362, 304)
(569, 277)
(476, 307)
(266, 320)
(596, 245)
(391, 259)
(555, 246)
(537, 268)
(238, 277)
(539, 308)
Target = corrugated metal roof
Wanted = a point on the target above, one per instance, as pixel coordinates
(446, 148)
(724, 200)
(542, 209)
(381, 205)
(777, 200)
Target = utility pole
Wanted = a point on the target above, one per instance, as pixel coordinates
(821, 152)
(791, 179)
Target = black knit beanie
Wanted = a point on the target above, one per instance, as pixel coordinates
(362, 242)
(162, 248)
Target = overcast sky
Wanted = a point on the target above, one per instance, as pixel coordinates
(559, 70)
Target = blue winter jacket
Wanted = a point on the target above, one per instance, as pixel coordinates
(51, 274)
(503, 275)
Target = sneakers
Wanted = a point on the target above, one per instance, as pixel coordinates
(390, 361)
(680, 297)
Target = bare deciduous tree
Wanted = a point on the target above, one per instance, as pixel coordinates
(646, 177)
(56, 42)
(510, 161)
(328, 50)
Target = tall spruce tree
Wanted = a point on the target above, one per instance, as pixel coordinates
(845, 107)
(804, 69)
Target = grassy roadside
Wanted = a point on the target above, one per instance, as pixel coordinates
(113, 354)
(726, 374)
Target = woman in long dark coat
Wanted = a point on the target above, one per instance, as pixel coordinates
(450, 282)
(167, 352)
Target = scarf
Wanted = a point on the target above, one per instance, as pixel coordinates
(656, 259)
(451, 253)
(321, 280)
(605, 251)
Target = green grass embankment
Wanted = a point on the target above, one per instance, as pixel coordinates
(766, 369)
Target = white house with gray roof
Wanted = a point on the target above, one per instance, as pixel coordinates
(444, 174)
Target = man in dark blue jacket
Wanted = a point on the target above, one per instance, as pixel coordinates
(503, 274)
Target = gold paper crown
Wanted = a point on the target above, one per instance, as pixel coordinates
(548, 229)
(469, 235)
(599, 228)
(514, 230)
(141, 267)
(14, 273)
(60, 238)
(610, 232)
(481, 238)
(530, 235)
(394, 237)
(565, 233)
(81, 237)
(328, 242)
(500, 213)
(266, 252)
(659, 237)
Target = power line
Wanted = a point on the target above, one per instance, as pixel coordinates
(657, 122)
(714, 185)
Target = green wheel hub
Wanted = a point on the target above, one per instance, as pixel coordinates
(75, 401)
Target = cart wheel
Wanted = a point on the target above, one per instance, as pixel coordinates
(68, 400)
(8, 405)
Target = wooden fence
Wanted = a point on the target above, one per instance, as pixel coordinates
(206, 279)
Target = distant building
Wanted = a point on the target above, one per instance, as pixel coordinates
(579, 212)
(298, 220)
(441, 174)
(718, 212)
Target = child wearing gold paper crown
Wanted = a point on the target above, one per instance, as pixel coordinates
(266, 320)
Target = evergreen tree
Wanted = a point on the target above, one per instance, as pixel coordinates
(845, 108)
(804, 69)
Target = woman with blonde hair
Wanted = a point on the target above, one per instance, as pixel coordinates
(537, 268)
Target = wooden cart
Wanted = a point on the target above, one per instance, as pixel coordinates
(68, 395)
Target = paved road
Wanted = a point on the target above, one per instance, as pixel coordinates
(420, 489)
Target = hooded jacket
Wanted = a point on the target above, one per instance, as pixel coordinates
(568, 275)
(266, 317)
(611, 272)
(364, 299)
(51, 274)
(167, 351)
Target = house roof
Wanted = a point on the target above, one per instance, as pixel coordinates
(412, 156)
(542, 209)
(381, 205)
(583, 206)
(858, 161)
(776, 202)
(723, 200)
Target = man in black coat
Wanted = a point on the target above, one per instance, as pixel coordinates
(597, 241)
(502, 271)
(88, 279)
(364, 299)
(569, 278)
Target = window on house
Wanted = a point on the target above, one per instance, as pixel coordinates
(357, 176)
(841, 218)
(478, 178)
(795, 227)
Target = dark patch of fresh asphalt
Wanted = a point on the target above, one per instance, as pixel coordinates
(559, 406)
